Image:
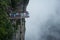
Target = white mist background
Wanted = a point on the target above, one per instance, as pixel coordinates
(40, 11)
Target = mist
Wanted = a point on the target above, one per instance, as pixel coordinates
(44, 21)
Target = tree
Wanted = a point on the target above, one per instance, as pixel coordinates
(6, 28)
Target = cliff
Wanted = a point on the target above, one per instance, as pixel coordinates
(6, 6)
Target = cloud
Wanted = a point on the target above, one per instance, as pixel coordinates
(44, 14)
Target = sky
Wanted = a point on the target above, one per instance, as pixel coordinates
(43, 15)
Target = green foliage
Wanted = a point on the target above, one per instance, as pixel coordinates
(6, 28)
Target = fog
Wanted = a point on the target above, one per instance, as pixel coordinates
(44, 21)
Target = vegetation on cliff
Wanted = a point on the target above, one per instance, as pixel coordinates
(6, 27)
(6, 30)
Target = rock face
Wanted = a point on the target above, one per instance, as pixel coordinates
(20, 7)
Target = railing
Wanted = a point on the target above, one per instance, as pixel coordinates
(19, 15)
